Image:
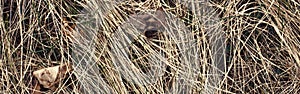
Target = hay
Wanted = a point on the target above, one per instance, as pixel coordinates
(199, 46)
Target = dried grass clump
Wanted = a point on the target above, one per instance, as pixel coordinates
(150, 46)
(263, 47)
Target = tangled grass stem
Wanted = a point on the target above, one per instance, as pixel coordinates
(151, 46)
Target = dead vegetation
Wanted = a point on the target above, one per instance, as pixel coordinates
(149, 46)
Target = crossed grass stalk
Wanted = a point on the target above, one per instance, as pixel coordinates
(261, 42)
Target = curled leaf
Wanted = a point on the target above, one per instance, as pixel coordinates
(50, 76)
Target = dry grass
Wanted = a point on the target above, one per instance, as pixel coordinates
(201, 46)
